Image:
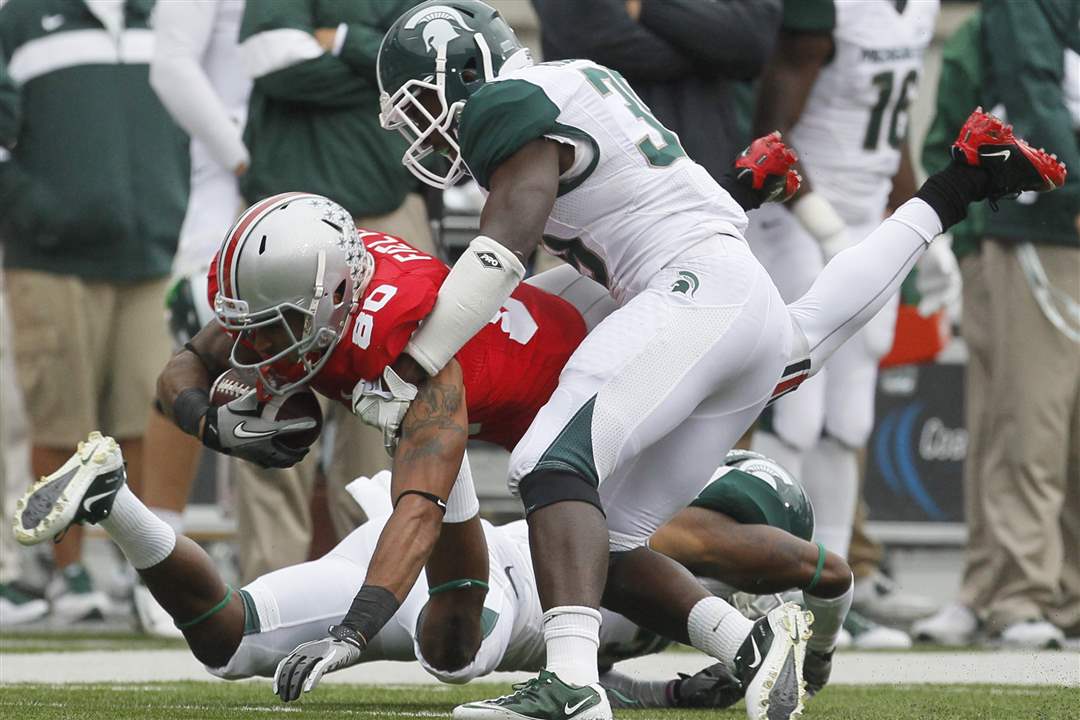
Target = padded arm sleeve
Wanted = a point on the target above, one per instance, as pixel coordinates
(477, 286)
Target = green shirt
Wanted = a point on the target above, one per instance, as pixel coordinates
(1024, 71)
(959, 91)
(313, 121)
(809, 16)
(93, 172)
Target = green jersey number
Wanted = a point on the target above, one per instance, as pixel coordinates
(605, 81)
(898, 119)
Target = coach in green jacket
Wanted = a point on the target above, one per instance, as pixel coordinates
(1031, 265)
(93, 187)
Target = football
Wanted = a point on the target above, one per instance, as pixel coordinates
(299, 403)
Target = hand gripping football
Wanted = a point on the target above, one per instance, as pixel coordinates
(299, 403)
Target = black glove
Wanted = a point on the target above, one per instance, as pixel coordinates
(301, 670)
(238, 429)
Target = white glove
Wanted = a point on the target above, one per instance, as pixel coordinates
(382, 403)
(938, 279)
(301, 670)
(821, 220)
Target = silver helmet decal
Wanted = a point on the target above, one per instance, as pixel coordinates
(441, 25)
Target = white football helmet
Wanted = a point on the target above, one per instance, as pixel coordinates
(292, 254)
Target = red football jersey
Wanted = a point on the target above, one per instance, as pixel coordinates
(510, 368)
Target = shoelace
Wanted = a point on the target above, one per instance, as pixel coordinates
(525, 690)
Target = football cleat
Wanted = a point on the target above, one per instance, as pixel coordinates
(82, 490)
(544, 697)
(769, 664)
(713, 687)
(767, 167)
(1013, 165)
(817, 667)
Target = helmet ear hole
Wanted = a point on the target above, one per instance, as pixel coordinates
(469, 73)
(339, 293)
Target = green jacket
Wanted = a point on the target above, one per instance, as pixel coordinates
(313, 122)
(959, 91)
(1024, 71)
(93, 171)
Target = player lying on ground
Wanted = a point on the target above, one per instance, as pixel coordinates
(749, 528)
(665, 385)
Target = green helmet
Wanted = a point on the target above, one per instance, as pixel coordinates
(797, 508)
(445, 50)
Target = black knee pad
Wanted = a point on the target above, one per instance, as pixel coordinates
(546, 487)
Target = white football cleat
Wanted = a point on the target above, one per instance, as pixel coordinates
(82, 490)
(881, 599)
(152, 618)
(769, 663)
(17, 608)
(1032, 634)
(953, 625)
(866, 634)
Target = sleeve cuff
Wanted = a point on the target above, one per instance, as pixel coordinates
(339, 39)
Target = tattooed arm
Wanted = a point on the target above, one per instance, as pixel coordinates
(433, 435)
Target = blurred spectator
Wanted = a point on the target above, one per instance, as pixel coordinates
(15, 607)
(838, 88)
(683, 57)
(92, 195)
(959, 90)
(313, 125)
(1026, 461)
(197, 74)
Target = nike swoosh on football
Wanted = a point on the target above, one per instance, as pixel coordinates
(569, 709)
(243, 433)
(87, 502)
(1002, 153)
(757, 653)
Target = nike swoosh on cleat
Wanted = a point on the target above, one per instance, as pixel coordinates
(243, 433)
(94, 498)
(1006, 154)
(569, 709)
(757, 653)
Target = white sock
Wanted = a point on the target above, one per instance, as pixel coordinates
(831, 478)
(572, 636)
(143, 537)
(718, 629)
(172, 518)
(829, 614)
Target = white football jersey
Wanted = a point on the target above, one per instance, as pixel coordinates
(856, 117)
(632, 201)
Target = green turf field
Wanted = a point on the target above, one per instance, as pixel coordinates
(238, 701)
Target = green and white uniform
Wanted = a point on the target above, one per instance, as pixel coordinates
(848, 137)
(632, 201)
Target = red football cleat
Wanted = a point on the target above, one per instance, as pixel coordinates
(766, 166)
(1013, 165)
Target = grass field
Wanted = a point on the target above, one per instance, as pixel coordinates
(238, 701)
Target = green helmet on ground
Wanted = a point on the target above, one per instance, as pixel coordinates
(754, 489)
(431, 60)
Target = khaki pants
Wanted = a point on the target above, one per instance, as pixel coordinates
(273, 506)
(980, 556)
(87, 353)
(1030, 435)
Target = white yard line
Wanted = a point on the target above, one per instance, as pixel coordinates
(851, 668)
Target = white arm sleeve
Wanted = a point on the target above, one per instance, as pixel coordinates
(182, 31)
(477, 286)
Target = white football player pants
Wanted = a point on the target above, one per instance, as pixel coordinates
(296, 604)
(661, 389)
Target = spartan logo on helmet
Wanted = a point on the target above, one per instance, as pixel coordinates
(441, 26)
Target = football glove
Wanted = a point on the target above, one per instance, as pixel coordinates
(301, 670)
(938, 278)
(382, 403)
(766, 167)
(239, 429)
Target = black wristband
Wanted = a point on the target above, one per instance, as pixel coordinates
(747, 197)
(189, 407)
(372, 608)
